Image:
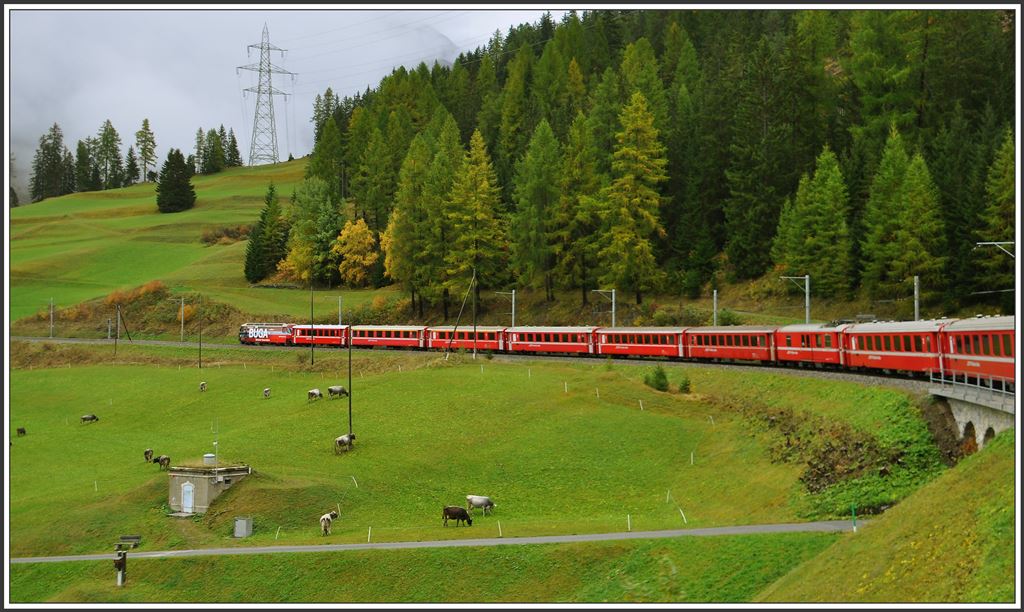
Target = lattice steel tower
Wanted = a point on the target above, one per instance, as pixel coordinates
(264, 129)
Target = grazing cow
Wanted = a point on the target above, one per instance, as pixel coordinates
(344, 442)
(90, 418)
(148, 455)
(202, 386)
(164, 461)
(457, 513)
(336, 390)
(266, 393)
(313, 394)
(325, 522)
(479, 501)
(21, 431)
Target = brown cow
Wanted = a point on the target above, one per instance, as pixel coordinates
(456, 513)
(21, 431)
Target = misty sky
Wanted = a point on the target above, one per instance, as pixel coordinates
(178, 67)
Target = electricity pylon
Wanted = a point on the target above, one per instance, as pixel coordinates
(264, 129)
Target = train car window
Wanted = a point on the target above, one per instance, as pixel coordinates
(917, 344)
(789, 340)
(996, 347)
(888, 342)
(975, 345)
(828, 341)
(1007, 345)
(928, 343)
(986, 349)
(960, 344)
(906, 344)
(817, 340)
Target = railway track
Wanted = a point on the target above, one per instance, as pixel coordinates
(900, 382)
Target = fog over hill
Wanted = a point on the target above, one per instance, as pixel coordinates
(178, 68)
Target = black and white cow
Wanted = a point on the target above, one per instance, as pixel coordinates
(266, 393)
(344, 442)
(164, 461)
(90, 418)
(336, 390)
(479, 501)
(148, 455)
(313, 394)
(202, 386)
(456, 513)
(326, 521)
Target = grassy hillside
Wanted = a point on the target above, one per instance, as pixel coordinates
(85, 245)
(952, 541)
(431, 431)
(718, 569)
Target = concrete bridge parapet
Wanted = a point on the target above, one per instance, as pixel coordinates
(978, 412)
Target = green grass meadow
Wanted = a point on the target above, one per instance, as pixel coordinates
(561, 447)
(83, 246)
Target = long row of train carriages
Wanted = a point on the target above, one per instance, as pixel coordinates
(978, 351)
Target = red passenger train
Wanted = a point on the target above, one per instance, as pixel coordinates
(981, 349)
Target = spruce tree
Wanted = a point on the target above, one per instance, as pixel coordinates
(477, 234)
(404, 242)
(638, 167)
(516, 118)
(576, 221)
(535, 196)
(47, 179)
(234, 156)
(131, 168)
(881, 220)
(919, 244)
(253, 269)
(603, 118)
(445, 166)
(998, 218)
(174, 191)
(146, 142)
(327, 159)
(108, 156)
(815, 239)
(83, 166)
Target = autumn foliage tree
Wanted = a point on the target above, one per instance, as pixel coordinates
(356, 250)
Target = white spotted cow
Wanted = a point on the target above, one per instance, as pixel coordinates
(326, 521)
(202, 386)
(313, 394)
(336, 390)
(479, 501)
(344, 443)
(266, 393)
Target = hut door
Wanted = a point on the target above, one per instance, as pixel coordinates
(187, 490)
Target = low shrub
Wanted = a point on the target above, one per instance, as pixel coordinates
(684, 384)
(657, 379)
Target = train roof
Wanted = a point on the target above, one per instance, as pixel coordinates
(320, 326)
(641, 330)
(982, 323)
(487, 328)
(814, 327)
(886, 327)
(391, 327)
(557, 330)
(732, 329)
